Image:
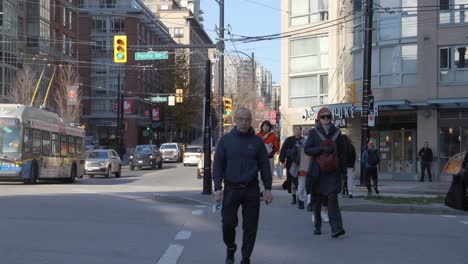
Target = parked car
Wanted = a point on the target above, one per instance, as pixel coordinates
(201, 165)
(146, 156)
(103, 161)
(171, 152)
(192, 155)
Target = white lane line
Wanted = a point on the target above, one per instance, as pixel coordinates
(171, 255)
(448, 216)
(197, 212)
(79, 190)
(183, 235)
(200, 206)
(464, 222)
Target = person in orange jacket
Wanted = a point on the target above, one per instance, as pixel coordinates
(271, 142)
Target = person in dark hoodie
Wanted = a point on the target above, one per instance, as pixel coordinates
(239, 156)
(287, 160)
(328, 150)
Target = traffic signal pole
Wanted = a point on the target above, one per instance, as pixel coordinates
(207, 185)
(221, 69)
(367, 75)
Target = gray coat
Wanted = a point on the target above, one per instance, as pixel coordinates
(318, 182)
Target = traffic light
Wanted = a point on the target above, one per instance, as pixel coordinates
(179, 95)
(227, 102)
(120, 49)
(351, 93)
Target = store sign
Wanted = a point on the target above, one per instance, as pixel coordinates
(340, 114)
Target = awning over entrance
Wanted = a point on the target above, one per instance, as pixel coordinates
(449, 103)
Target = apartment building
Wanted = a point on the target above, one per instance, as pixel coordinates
(99, 22)
(419, 76)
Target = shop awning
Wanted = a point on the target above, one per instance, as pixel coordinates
(449, 102)
(394, 105)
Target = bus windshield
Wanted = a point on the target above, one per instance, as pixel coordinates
(9, 140)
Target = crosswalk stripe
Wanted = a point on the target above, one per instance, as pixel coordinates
(171, 255)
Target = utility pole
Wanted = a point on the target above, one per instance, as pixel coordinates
(207, 185)
(119, 108)
(367, 75)
(221, 69)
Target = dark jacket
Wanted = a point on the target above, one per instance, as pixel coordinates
(287, 149)
(350, 155)
(238, 158)
(318, 182)
(426, 154)
(365, 157)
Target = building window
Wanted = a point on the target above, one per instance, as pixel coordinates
(453, 12)
(453, 64)
(164, 7)
(305, 12)
(118, 25)
(64, 44)
(308, 67)
(392, 66)
(178, 32)
(99, 25)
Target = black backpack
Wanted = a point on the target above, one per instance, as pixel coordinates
(372, 157)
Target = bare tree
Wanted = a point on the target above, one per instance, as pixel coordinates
(67, 76)
(22, 88)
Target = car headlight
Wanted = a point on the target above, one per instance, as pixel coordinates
(151, 157)
(131, 157)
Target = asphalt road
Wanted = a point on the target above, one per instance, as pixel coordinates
(142, 218)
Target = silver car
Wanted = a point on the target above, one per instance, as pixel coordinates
(171, 152)
(104, 162)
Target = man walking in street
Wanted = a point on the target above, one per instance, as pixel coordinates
(239, 156)
(425, 153)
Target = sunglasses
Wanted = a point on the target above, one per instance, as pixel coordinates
(326, 116)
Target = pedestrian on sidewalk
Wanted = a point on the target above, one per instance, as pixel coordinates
(370, 161)
(271, 142)
(287, 161)
(325, 144)
(348, 179)
(302, 162)
(239, 156)
(426, 156)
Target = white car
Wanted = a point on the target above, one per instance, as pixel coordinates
(103, 161)
(171, 152)
(192, 155)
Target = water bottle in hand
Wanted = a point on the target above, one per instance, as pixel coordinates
(217, 206)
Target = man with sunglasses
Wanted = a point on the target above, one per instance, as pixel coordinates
(239, 156)
(328, 149)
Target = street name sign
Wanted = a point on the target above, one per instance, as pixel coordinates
(158, 99)
(152, 55)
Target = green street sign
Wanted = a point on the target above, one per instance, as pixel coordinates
(152, 55)
(158, 99)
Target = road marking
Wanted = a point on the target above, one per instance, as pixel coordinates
(80, 190)
(171, 255)
(183, 235)
(197, 212)
(448, 216)
(464, 222)
(200, 206)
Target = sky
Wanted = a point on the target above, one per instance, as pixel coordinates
(249, 18)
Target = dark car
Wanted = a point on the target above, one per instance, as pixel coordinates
(146, 156)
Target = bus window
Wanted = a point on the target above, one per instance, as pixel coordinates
(79, 145)
(55, 145)
(27, 140)
(63, 145)
(36, 144)
(71, 144)
(46, 143)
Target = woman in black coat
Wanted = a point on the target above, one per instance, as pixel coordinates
(326, 185)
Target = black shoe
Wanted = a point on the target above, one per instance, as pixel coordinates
(317, 231)
(309, 208)
(230, 252)
(300, 205)
(245, 261)
(351, 196)
(294, 199)
(369, 192)
(421, 180)
(376, 190)
(338, 233)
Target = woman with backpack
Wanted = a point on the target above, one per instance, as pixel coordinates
(328, 149)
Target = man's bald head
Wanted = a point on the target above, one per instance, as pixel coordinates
(243, 119)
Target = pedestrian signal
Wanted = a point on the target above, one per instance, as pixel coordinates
(120, 49)
(227, 102)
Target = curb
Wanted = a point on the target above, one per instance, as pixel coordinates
(403, 208)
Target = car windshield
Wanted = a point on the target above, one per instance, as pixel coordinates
(144, 149)
(9, 140)
(98, 155)
(168, 146)
(194, 150)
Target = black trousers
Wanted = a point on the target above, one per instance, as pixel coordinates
(426, 165)
(371, 173)
(334, 213)
(247, 197)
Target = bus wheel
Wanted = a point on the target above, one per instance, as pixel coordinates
(72, 178)
(34, 172)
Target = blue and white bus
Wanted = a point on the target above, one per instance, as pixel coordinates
(37, 145)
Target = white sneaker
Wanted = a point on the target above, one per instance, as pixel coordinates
(324, 216)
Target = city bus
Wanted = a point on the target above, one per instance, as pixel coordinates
(38, 145)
